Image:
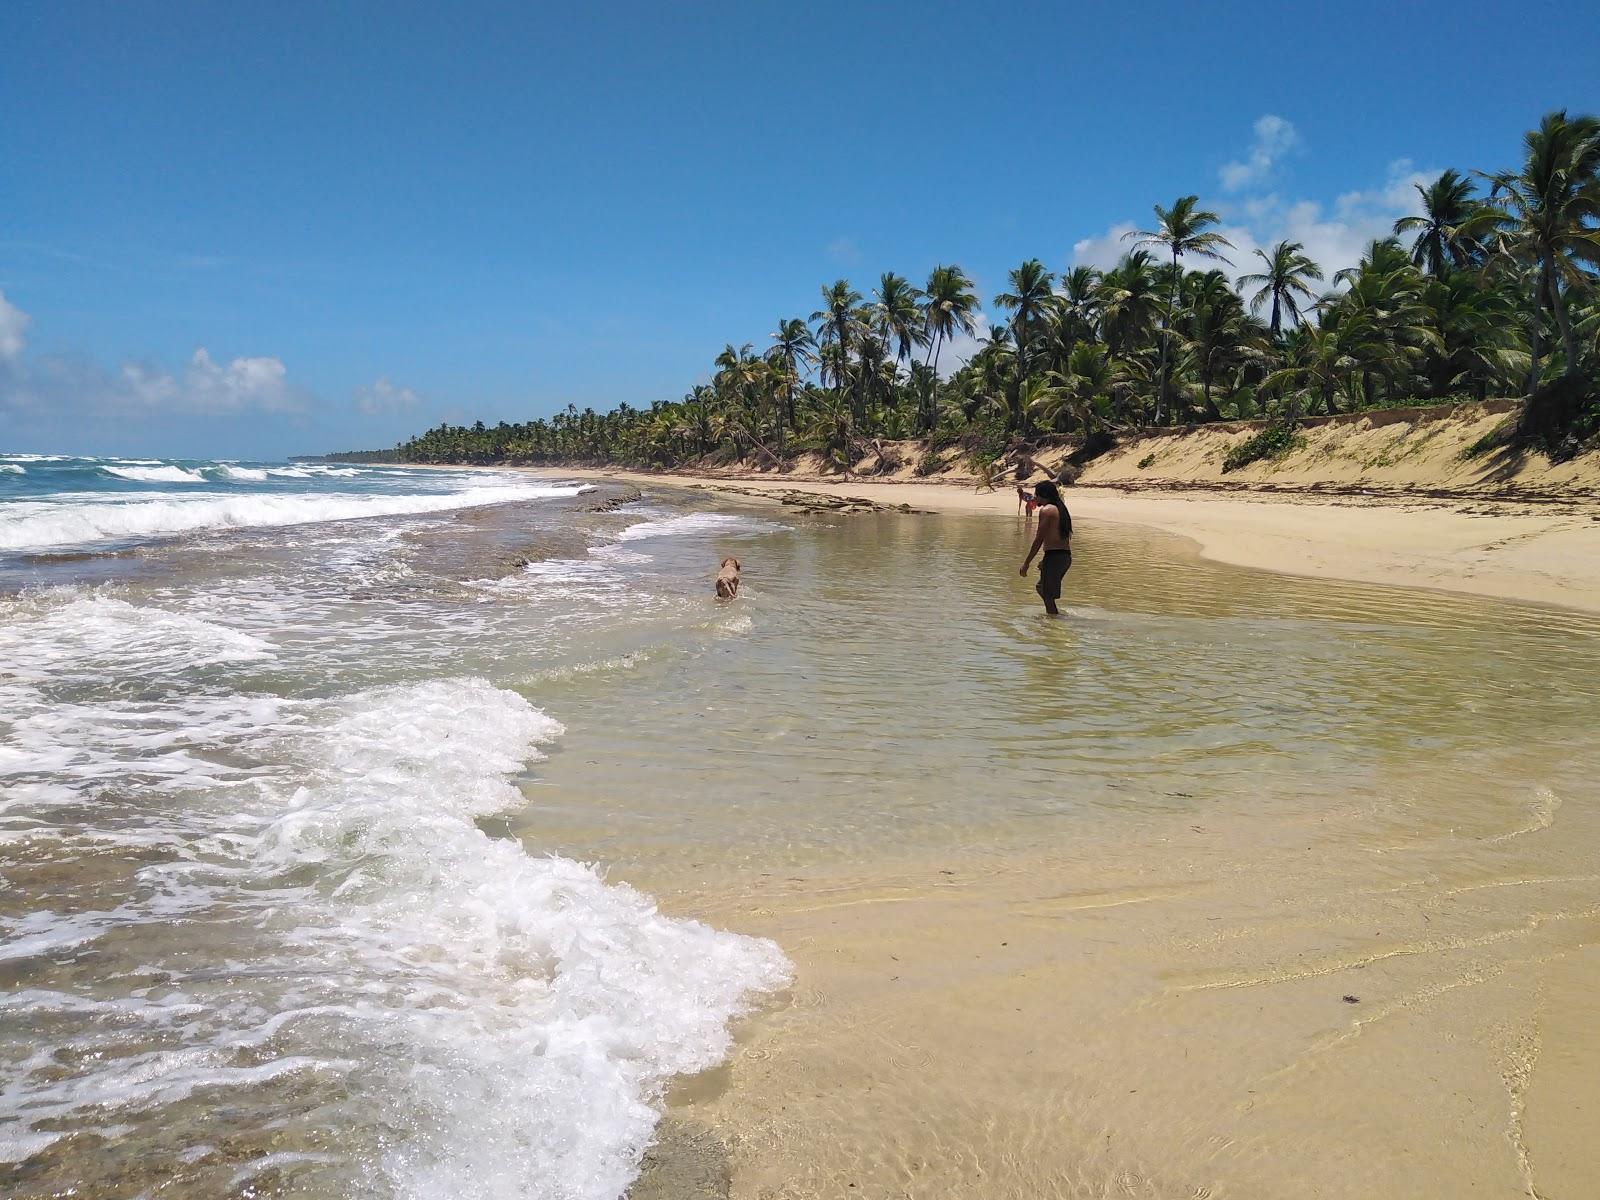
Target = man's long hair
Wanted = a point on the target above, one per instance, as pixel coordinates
(1048, 493)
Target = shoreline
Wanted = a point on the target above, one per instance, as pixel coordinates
(1543, 553)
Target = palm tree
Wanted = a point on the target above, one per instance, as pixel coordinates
(1480, 345)
(1081, 393)
(792, 346)
(1545, 214)
(836, 322)
(1074, 312)
(1030, 298)
(1286, 281)
(1129, 309)
(896, 316)
(1440, 246)
(1182, 229)
(949, 306)
(1381, 321)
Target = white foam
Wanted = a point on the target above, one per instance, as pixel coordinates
(693, 523)
(72, 522)
(243, 474)
(155, 474)
(61, 634)
(558, 1005)
(511, 1020)
(13, 469)
(312, 471)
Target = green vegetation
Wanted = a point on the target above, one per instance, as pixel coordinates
(1491, 290)
(1493, 440)
(1146, 462)
(1273, 442)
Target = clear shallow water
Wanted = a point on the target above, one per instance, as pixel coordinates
(295, 814)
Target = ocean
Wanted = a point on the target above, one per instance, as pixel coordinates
(260, 927)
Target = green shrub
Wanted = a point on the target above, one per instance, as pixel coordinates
(1273, 442)
(1145, 463)
(930, 463)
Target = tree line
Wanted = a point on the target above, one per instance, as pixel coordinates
(1489, 291)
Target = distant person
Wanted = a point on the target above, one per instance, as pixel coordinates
(1025, 501)
(1054, 536)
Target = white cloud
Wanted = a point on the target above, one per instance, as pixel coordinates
(1274, 138)
(1103, 252)
(65, 385)
(381, 397)
(13, 329)
(958, 350)
(1334, 236)
(207, 386)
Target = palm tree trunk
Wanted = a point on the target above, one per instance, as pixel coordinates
(1166, 336)
(1569, 339)
(1276, 314)
(1536, 334)
(930, 417)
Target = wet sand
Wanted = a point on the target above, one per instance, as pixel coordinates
(1541, 553)
(1230, 885)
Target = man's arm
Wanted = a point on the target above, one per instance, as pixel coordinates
(1047, 518)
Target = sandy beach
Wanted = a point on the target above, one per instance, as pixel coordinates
(1536, 552)
(1328, 931)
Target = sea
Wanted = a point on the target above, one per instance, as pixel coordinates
(263, 929)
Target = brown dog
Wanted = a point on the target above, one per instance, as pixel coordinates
(728, 579)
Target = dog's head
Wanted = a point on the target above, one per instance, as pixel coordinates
(731, 562)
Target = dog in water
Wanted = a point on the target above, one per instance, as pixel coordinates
(728, 579)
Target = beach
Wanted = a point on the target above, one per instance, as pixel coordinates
(439, 834)
(1542, 552)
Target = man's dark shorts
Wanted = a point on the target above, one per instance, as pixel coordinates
(1051, 570)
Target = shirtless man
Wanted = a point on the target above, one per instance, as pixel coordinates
(1055, 538)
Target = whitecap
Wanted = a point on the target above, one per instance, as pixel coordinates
(47, 526)
(693, 523)
(513, 1020)
(155, 474)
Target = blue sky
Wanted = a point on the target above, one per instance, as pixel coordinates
(252, 230)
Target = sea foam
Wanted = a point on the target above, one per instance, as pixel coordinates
(156, 474)
(66, 523)
(509, 1020)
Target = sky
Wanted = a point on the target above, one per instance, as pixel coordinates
(251, 230)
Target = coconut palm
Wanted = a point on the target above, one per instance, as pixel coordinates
(896, 317)
(1075, 310)
(1480, 346)
(1546, 214)
(1218, 339)
(1440, 245)
(792, 346)
(1079, 395)
(836, 323)
(1029, 299)
(1286, 281)
(949, 306)
(1182, 229)
(1129, 307)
